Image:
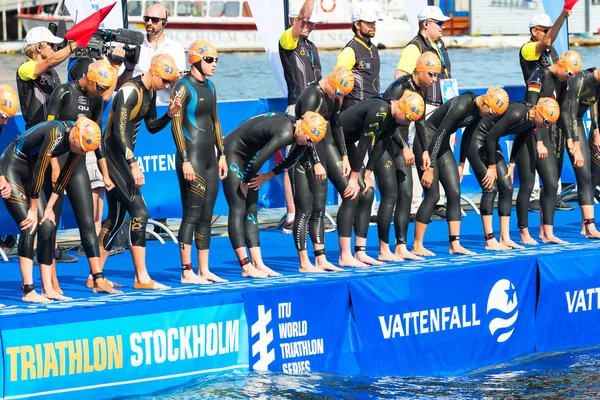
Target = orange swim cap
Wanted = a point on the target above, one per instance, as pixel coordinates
(548, 108)
(9, 101)
(412, 105)
(102, 73)
(570, 61)
(342, 79)
(200, 49)
(89, 133)
(497, 100)
(163, 66)
(429, 62)
(314, 126)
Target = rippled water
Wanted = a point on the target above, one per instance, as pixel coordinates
(248, 75)
(559, 375)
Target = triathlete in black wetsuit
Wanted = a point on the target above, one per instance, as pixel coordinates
(392, 161)
(309, 176)
(549, 145)
(247, 148)
(522, 119)
(8, 108)
(196, 131)
(68, 102)
(583, 93)
(363, 125)
(473, 147)
(24, 165)
(436, 163)
(134, 102)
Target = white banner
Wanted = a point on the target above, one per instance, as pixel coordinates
(268, 16)
(81, 9)
(413, 8)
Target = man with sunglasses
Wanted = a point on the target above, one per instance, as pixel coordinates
(134, 102)
(69, 101)
(392, 160)
(429, 38)
(155, 42)
(552, 82)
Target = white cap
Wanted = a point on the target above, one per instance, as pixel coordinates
(41, 34)
(541, 20)
(432, 12)
(366, 14)
(293, 13)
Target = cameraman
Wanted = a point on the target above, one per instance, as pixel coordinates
(36, 78)
(155, 42)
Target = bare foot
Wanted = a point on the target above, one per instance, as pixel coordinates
(407, 255)
(249, 271)
(553, 239)
(420, 250)
(33, 297)
(508, 242)
(389, 256)
(364, 258)
(309, 268)
(527, 239)
(267, 270)
(494, 245)
(591, 232)
(456, 248)
(189, 277)
(351, 262)
(150, 285)
(52, 295)
(56, 288)
(209, 276)
(104, 286)
(326, 265)
(2, 306)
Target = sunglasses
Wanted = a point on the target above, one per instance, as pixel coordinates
(211, 60)
(2, 115)
(570, 74)
(431, 74)
(490, 111)
(543, 30)
(546, 122)
(338, 93)
(101, 89)
(438, 23)
(308, 139)
(165, 81)
(155, 20)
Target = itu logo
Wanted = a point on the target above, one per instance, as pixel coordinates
(502, 307)
(265, 337)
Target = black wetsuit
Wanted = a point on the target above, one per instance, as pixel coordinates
(363, 124)
(196, 130)
(459, 112)
(68, 102)
(24, 164)
(394, 177)
(516, 121)
(542, 83)
(132, 103)
(473, 147)
(247, 148)
(582, 94)
(310, 193)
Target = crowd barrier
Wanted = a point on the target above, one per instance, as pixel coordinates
(156, 157)
(446, 317)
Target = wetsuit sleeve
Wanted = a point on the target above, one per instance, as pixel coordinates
(451, 119)
(465, 140)
(51, 140)
(276, 143)
(501, 128)
(568, 110)
(337, 131)
(313, 154)
(121, 121)
(55, 104)
(97, 111)
(177, 125)
(594, 116)
(375, 118)
(383, 141)
(66, 172)
(153, 123)
(305, 104)
(218, 132)
(534, 85)
(518, 145)
(291, 158)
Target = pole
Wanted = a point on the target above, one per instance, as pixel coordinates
(587, 18)
(286, 11)
(19, 23)
(4, 20)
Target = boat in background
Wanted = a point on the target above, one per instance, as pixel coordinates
(228, 24)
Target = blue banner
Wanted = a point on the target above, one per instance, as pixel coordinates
(110, 357)
(296, 331)
(569, 302)
(446, 321)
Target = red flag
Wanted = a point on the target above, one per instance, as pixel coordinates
(569, 4)
(82, 31)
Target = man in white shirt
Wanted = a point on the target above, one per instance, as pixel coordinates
(155, 42)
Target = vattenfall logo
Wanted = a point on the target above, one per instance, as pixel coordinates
(503, 304)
